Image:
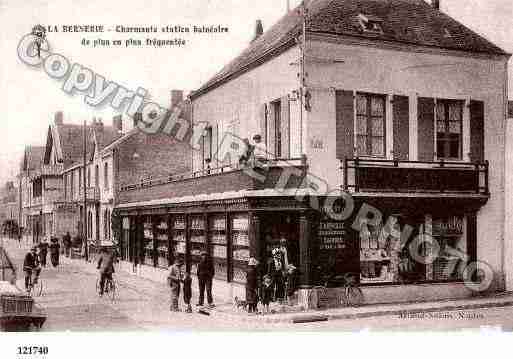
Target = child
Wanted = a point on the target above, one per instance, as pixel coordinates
(267, 292)
(187, 292)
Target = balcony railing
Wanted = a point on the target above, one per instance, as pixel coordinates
(377, 175)
(214, 180)
(92, 194)
(48, 170)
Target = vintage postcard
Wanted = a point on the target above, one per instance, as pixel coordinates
(277, 165)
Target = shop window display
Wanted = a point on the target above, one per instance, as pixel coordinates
(218, 245)
(148, 242)
(162, 244)
(383, 259)
(178, 237)
(240, 247)
(450, 233)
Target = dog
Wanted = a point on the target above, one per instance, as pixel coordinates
(240, 304)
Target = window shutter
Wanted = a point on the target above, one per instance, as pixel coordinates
(215, 144)
(271, 148)
(263, 123)
(476, 131)
(344, 123)
(285, 127)
(401, 116)
(426, 128)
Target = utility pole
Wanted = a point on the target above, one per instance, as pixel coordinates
(84, 223)
(302, 72)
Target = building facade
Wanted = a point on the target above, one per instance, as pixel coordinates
(392, 115)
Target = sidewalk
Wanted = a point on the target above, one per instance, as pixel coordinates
(228, 310)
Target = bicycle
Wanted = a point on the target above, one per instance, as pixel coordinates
(352, 295)
(109, 288)
(35, 290)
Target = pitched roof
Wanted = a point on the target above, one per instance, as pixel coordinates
(406, 21)
(32, 157)
(71, 141)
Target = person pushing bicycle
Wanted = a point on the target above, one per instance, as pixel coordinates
(31, 265)
(106, 267)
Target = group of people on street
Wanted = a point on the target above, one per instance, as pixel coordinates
(36, 259)
(275, 281)
(177, 278)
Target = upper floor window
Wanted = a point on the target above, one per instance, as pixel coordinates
(207, 146)
(80, 178)
(106, 176)
(370, 125)
(88, 177)
(96, 176)
(449, 114)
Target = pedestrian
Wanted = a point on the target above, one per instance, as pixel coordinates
(267, 292)
(43, 252)
(276, 270)
(187, 292)
(54, 251)
(31, 265)
(173, 278)
(66, 240)
(252, 285)
(106, 267)
(205, 276)
(291, 282)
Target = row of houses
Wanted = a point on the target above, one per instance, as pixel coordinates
(56, 186)
(388, 107)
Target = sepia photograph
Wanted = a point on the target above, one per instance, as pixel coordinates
(273, 166)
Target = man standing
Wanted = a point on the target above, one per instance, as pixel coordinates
(54, 251)
(205, 276)
(43, 252)
(174, 278)
(66, 240)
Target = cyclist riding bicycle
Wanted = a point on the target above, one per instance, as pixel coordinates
(106, 267)
(31, 265)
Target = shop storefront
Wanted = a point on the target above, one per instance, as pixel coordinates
(425, 242)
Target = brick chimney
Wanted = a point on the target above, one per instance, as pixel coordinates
(436, 4)
(176, 97)
(259, 29)
(58, 118)
(117, 123)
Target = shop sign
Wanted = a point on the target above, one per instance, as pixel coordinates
(331, 235)
(67, 208)
(450, 225)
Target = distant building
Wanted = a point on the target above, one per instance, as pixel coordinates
(30, 205)
(9, 208)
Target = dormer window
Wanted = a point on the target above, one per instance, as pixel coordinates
(369, 23)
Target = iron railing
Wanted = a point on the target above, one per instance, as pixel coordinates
(380, 175)
(150, 182)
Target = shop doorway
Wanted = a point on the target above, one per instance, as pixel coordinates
(274, 228)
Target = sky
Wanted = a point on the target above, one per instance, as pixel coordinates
(29, 97)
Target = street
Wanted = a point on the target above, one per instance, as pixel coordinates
(71, 303)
